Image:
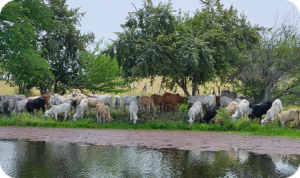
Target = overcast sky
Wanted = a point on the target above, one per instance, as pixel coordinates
(104, 17)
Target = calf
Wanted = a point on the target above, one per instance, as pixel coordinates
(210, 114)
(231, 107)
(272, 112)
(261, 109)
(103, 111)
(64, 108)
(81, 109)
(290, 115)
(133, 110)
(195, 110)
(35, 104)
(117, 101)
(241, 110)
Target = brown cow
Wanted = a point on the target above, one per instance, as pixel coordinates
(46, 96)
(172, 99)
(157, 99)
(218, 100)
(103, 111)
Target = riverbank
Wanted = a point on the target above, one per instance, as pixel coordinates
(182, 140)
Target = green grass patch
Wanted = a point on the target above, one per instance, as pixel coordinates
(159, 121)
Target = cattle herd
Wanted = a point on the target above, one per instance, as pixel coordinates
(237, 107)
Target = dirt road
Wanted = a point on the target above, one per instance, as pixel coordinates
(183, 140)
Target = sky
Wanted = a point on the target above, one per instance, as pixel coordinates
(104, 17)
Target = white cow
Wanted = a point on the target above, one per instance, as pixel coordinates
(117, 101)
(81, 109)
(290, 115)
(64, 108)
(107, 99)
(133, 110)
(225, 101)
(195, 110)
(272, 112)
(207, 100)
(4, 98)
(241, 110)
(127, 99)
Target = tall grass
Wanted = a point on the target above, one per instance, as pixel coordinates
(161, 121)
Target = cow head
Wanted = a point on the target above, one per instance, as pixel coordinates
(234, 117)
(75, 116)
(48, 114)
(251, 116)
(110, 119)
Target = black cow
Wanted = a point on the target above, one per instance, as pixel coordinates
(210, 114)
(261, 109)
(35, 104)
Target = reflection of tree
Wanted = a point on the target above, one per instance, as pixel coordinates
(48, 159)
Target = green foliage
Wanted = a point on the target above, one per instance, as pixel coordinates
(21, 24)
(100, 73)
(184, 106)
(182, 49)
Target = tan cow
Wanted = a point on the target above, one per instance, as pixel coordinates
(174, 99)
(290, 115)
(147, 101)
(92, 103)
(103, 111)
(231, 107)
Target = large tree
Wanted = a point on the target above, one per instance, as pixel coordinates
(64, 42)
(182, 49)
(21, 23)
(271, 70)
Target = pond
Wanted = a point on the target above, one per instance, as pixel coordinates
(22, 158)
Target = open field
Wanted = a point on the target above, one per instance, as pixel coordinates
(7, 90)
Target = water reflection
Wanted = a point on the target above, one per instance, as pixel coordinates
(21, 158)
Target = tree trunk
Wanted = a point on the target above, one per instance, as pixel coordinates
(55, 87)
(194, 86)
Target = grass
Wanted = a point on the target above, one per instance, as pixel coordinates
(161, 121)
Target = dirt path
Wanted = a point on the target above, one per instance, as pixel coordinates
(183, 140)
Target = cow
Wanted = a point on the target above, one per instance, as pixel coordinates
(260, 109)
(107, 99)
(224, 101)
(4, 98)
(46, 96)
(35, 104)
(92, 103)
(64, 108)
(175, 100)
(133, 110)
(147, 101)
(241, 110)
(127, 99)
(290, 115)
(81, 109)
(207, 100)
(117, 101)
(20, 105)
(229, 94)
(71, 101)
(272, 112)
(103, 111)
(195, 110)
(250, 100)
(157, 99)
(210, 114)
(231, 107)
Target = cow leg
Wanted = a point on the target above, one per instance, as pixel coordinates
(97, 116)
(56, 116)
(65, 116)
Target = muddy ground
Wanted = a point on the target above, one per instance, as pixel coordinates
(183, 140)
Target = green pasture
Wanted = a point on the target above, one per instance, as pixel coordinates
(159, 121)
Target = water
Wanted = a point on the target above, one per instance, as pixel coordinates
(21, 158)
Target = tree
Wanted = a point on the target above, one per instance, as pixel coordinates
(64, 43)
(271, 70)
(100, 73)
(182, 49)
(21, 22)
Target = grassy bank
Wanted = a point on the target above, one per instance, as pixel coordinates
(161, 121)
